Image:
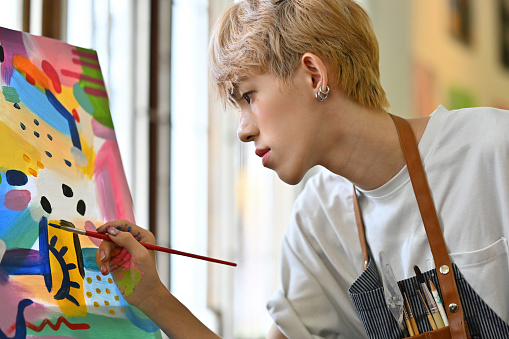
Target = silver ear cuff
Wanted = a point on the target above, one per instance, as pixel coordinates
(321, 95)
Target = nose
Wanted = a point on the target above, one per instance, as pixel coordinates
(247, 130)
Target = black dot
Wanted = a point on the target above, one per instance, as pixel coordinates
(81, 207)
(67, 191)
(36, 133)
(46, 206)
(36, 122)
(23, 127)
(16, 105)
(1, 54)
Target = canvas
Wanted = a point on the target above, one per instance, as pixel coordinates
(59, 160)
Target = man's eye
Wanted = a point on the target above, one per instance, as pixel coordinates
(247, 97)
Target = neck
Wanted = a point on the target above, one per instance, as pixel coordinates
(365, 147)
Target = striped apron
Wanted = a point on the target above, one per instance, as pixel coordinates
(368, 298)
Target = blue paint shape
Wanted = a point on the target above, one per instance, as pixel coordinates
(36, 122)
(18, 228)
(44, 253)
(75, 137)
(23, 127)
(48, 154)
(16, 105)
(37, 102)
(16, 178)
(50, 137)
(22, 261)
(36, 134)
(67, 162)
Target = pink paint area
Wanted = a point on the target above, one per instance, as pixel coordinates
(96, 92)
(102, 131)
(89, 226)
(115, 199)
(12, 294)
(54, 52)
(17, 200)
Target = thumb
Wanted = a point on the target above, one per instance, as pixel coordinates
(126, 240)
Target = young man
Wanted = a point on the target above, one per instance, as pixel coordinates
(304, 74)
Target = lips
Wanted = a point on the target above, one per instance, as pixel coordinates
(264, 154)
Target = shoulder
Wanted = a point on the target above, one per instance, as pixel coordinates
(479, 128)
(473, 119)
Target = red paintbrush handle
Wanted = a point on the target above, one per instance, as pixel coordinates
(164, 249)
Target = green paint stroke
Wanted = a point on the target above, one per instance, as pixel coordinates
(10, 94)
(127, 277)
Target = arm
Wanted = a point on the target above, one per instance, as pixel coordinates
(134, 271)
(274, 333)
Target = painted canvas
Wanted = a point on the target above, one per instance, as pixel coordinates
(59, 160)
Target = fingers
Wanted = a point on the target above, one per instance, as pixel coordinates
(123, 234)
(126, 226)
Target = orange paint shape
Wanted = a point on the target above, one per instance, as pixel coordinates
(26, 158)
(40, 164)
(32, 171)
(33, 74)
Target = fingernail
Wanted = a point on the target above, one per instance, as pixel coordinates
(112, 230)
(103, 255)
(104, 271)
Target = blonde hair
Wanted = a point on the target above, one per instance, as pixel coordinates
(258, 36)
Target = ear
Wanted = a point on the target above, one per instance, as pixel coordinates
(315, 68)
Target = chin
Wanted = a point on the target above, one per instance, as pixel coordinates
(290, 179)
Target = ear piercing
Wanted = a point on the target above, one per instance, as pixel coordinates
(321, 95)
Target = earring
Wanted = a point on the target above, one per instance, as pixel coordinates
(321, 95)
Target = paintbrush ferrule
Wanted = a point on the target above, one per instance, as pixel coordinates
(69, 229)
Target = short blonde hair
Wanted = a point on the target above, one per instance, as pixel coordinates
(258, 36)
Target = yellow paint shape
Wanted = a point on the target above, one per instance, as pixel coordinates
(89, 294)
(12, 144)
(89, 280)
(68, 308)
(112, 312)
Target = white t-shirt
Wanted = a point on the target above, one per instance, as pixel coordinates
(466, 158)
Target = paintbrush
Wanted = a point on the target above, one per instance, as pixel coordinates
(430, 317)
(429, 298)
(410, 320)
(69, 227)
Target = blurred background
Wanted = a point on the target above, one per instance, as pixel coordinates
(193, 184)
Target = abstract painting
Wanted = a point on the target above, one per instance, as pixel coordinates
(59, 160)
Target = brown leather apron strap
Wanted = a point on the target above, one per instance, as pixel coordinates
(431, 225)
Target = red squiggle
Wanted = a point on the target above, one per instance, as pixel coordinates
(55, 326)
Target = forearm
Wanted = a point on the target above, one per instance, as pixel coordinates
(173, 318)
